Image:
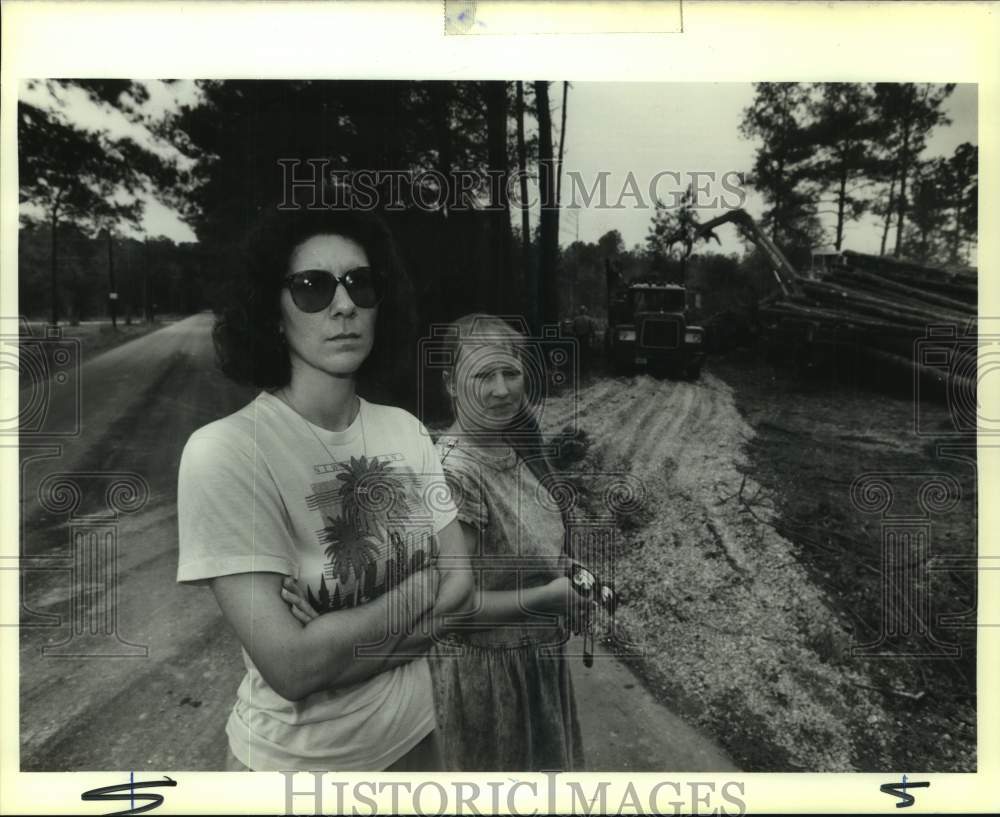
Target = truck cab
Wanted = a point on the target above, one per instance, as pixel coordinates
(649, 329)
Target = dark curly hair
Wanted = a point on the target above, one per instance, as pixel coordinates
(248, 344)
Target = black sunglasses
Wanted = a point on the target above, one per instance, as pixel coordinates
(313, 289)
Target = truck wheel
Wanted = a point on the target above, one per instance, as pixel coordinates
(622, 365)
(692, 372)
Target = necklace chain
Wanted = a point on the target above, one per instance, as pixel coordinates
(282, 395)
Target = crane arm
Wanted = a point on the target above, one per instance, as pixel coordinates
(784, 272)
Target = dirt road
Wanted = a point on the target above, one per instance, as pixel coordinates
(734, 632)
(156, 697)
(158, 706)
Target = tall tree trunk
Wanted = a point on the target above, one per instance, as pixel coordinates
(530, 285)
(496, 145)
(956, 237)
(888, 215)
(441, 112)
(562, 144)
(905, 161)
(130, 283)
(442, 95)
(54, 258)
(841, 205)
(147, 304)
(512, 295)
(549, 216)
(776, 210)
(112, 289)
(74, 297)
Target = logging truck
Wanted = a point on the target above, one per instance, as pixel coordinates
(649, 327)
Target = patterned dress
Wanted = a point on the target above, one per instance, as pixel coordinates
(503, 696)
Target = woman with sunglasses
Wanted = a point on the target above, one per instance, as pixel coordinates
(311, 481)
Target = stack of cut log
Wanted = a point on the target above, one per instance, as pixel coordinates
(881, 305)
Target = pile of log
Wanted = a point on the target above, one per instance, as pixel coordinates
(960, 284)
(881, 305)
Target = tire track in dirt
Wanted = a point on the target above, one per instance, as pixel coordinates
(655, 434)
(635, 427)
(725, 614)
(558, 411)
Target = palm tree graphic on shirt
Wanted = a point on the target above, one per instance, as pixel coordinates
(349, 551)
(369, 496)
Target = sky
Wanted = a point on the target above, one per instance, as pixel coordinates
(75, 106)
(623, 130)
(646, 128)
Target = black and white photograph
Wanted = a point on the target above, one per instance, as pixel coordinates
(404, 424)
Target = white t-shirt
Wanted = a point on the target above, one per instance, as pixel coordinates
(265, 490)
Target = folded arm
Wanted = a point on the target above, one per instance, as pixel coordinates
(297, 661)
(345, 646)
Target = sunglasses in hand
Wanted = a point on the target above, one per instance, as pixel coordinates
(586, 584)
(313, 290)
(589, 586)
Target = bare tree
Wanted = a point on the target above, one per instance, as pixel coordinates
(496, 144)
(548, 220)
(522, 162)
(562, 144)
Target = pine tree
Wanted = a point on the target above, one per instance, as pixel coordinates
(912, 110)
(671, 230)
(959, 179)
(548, 219)
(85, 176)
(928, 213)
(841, 132)
(781, 170)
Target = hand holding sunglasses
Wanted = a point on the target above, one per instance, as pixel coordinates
(313, 290)
(588, 586)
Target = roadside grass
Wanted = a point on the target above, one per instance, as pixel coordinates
(93, 337)
(99, 336)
